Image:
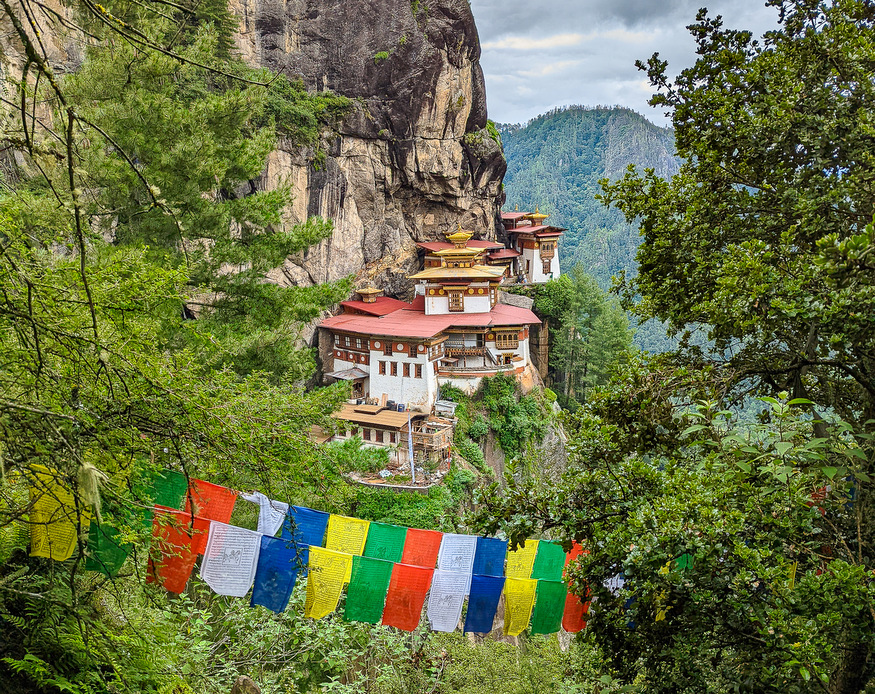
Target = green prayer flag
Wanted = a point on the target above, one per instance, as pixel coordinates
(549, 607)
(684, 562)
(549, 561)
(106, 552)
(165, 488)
(366, 593)
(385, 542)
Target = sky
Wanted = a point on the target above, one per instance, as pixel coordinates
(540, 54)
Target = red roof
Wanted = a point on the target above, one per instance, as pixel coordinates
(409, 323)
(540, 230)
(513, 215)
(503, 254)
(381, 307)
(434, 246)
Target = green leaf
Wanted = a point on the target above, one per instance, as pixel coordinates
(830, 471)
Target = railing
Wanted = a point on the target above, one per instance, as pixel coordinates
(465, 351)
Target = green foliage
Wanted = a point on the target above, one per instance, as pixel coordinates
(351, 455)
(589, 333)
(470, 451)
(761, 240)
(381, 56)
(438, 509)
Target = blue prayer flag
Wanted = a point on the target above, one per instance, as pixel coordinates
(489, 556)
(483, 602)
(309, 526)
(278, 564)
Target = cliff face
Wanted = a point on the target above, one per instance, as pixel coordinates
(412, 159)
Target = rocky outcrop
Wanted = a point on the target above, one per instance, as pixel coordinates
(413, 158)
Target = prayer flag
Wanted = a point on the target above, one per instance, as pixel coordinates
(574, 614)
(421, 547)
(366, 594)
(549, 561)
(106, 551)
(407, 589)
(230, 559)
(385, 542)
(271, 514)
(521, 561)
(211, 502)
(54, 520)
(278, 564)
(483, 603)
(173, 556)
(519, 599)
(329, 571)
(305, 526)
(448, 590)
(549, 606)
(167, 488)
(457, 553)
(684, 562)
(346, 535)
(489, 557)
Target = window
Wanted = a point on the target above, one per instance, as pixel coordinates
(546, 267)
(366, 434)
(387, 349)
(338, 340)
(391, 437)
(382, 368)
(406, 370)
(528, 267)
(393, 365)
(457, 303)
(358, 343)
(348, 341)
(507, 340)
(419, 370)
(411, 352)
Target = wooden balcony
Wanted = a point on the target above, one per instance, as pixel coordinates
(464, 351)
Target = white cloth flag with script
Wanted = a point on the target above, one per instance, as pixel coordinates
(457, 555)
(448, 590)
(230, 559)
(271, 514)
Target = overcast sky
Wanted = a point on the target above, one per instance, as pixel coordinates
(539, 54)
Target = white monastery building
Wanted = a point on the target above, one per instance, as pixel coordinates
(535, 243)
(454, 331)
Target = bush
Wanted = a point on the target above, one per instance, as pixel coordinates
(479, 428)
(470, 451)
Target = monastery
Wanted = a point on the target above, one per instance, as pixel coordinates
(397, 355)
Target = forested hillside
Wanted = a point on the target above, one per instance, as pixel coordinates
(556, 160)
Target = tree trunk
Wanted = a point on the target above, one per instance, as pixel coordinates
(853, 672)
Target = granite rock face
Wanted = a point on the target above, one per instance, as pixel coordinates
(413, 158)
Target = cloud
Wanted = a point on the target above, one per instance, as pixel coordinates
(559, 52)
(525, 43)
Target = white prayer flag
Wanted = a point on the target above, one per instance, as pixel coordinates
(615, 584)
(271, 514)
(457, 554)
(448, 590)
(230, 559)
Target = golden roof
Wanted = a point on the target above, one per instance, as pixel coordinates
(460, 238)
(538, 215)
(477, 272)
(369, 291)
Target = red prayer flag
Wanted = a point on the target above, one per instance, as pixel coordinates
(407, 589)
(211, 501)
(173, 556)
(421, 548)
(574, 617)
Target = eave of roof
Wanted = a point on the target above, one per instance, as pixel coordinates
(381, 307)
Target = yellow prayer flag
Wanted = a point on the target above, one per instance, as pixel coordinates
(346, 534)
(519, 600)
(521, 562)
(329, 571)
(54, 527)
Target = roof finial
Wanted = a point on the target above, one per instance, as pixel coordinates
(516, 208)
